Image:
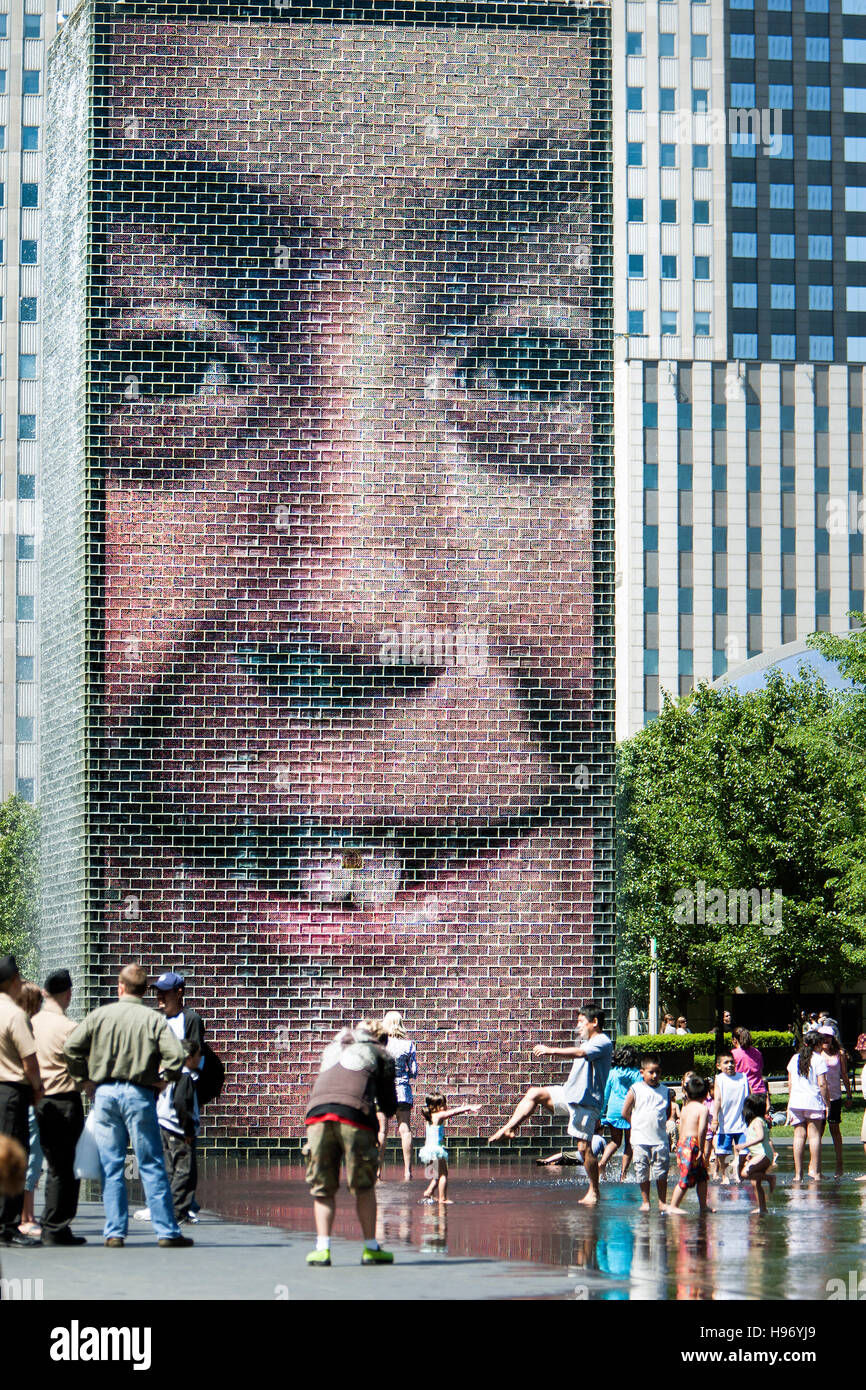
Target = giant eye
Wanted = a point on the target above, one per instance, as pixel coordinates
(175, 366)
(524, 366)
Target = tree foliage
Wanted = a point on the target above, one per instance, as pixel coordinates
(19, 882)
(758, 791)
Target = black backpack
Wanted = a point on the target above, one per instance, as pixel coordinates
(212, 1076)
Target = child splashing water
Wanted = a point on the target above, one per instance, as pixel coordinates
(434, 1154)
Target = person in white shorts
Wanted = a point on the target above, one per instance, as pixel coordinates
(582, 1095)
(648, 1108)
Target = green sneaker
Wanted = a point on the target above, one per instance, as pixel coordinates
(376, 1257)
(319, 1257)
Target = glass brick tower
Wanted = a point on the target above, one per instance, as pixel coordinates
(741, 326)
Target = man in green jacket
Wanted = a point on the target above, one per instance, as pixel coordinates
(128, 1052)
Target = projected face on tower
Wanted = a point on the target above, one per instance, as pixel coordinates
(348, 381)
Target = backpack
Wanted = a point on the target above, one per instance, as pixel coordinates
(211, 1078)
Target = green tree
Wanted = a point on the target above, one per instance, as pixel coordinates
(19, 882)
(760, 791)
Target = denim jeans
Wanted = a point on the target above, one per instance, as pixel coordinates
(125, 1110)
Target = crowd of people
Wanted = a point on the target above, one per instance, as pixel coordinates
(144, 1072)
(148, 1071)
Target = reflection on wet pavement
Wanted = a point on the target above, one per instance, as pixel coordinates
(812, 1234)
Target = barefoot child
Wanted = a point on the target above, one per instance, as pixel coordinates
(433, 1153)
(729, 1096)
(694, 1123)
(647, 1107)
(757, 1162)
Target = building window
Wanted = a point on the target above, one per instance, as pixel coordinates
(30, 82)
(817, 98)
(820, 248)
(4, 19)
(668, 321)
(668, 209)
(700, 156)
(820, 349)
(667, 45)
(853, 50)
(855, 148)
(634, 98)
(669, 267)
(30, 195)
(781, 246)
(816, 6)
(744, 195)
(779, 48)
(25, 608)
(635, 267)
(700, 46)
(27, 366)
(651, 422)
(29, 252)
(24, 728)
(745, 345)
(742, 94)
(856, 349)
(855, 248)
(779, 5)
(743, 146)
(781, 195)
(700, 99)
(634, 43)
(855, 199)
(855, 298)
(30, 137)
(818, 50)
(783, 297)
(26, 487)
(25, 668)
(702, 324)
(700, 212)
(702, 267)
(821, 297)
(781, 96)
(2, 81)
(26, 550)
(668, 156)
(744, 244)
(744, 294)
(635, 321)
(26, 426)
(854, 99)
(634, 152)
(667, 98)
(32, 26)
(742, 46)
(781, 147)
(820, 197)
(27, 310)
(635, 209)
(783, 347)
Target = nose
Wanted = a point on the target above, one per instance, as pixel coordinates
(358, 525)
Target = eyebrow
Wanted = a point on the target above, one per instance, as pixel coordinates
(240, 226)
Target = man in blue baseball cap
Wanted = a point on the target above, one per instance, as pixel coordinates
(177, 1107)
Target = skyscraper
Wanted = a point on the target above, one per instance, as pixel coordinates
(741, 267)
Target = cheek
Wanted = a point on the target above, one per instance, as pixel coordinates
(533, 567)
(156, 577)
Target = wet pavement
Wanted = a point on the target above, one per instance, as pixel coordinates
(812, 1235)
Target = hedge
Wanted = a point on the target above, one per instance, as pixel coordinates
(678, 1052)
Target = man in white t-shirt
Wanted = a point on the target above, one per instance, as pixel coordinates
(582, 1095)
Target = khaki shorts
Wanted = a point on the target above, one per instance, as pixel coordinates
(328, 1144)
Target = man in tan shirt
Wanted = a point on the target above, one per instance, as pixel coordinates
(60, 1113)
(20, 1087)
